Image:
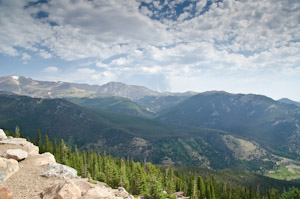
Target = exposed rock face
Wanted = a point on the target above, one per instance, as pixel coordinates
(40, 176)
(180, 195)
(59, 170)
(44, 159)
(16, 154)
(22, 144)
(99, 192)
(83, 185)
(5, 193)
(2, 135)
(8, 167)
(65, 190)
(121, 192)
(81, 189)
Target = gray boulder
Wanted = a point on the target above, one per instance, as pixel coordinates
(63, 190)
(16, 154)
(59, 170)
(7, 168)
(122, 193)
(43, 159)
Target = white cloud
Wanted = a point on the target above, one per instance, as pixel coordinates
(25, 57)
(118, 40)
(45, 54)
(51, 69)
(19, 29)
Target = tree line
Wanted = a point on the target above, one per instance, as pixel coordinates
(144, 178)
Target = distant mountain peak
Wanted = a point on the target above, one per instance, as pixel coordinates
(15, 77)
(288, 101)
(50, 89)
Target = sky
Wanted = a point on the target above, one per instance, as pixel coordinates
(239, 46)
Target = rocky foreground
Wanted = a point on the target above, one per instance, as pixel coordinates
(26, 174)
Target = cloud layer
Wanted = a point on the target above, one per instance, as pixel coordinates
(156, 43)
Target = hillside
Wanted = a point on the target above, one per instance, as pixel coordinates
(273, 124)
(123, 135)
(113, 104)
(288, 101)
(28, 174)
(158, 104)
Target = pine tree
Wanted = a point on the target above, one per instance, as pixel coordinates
(251, 191)
(201, 187)
(195, 190)
(64, 159)
(124, 182)
(228, 192)
(212, 187)
(17, 132)
(39, 142)
(157, 191)
(207, 190)
(56, 151)
(48, 145)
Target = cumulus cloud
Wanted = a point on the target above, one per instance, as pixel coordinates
(159, 40)
(45, 54)
(19, 30)
(51, 69)
(25, 57)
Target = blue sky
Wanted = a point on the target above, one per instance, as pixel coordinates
(245, 46)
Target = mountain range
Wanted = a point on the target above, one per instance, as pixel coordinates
(135, 137)
(47, 89)
(255, 117)
(212, 129)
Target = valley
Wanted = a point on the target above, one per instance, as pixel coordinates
(214, 130)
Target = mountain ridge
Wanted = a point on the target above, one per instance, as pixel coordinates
(288, 101)
(124, 135)
(250, 116)
(50, 89)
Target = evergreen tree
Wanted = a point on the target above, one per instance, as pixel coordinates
(293, 193)
(212, 187)
(64, 159)
(207, 190)
(157, 191)
(201, 187)
(39, 142)
(48, 145)
(17, 132)
(124, 182)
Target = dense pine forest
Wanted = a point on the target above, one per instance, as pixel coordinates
(152, 181)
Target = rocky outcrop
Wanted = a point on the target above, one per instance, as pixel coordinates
(2, 135)
(122, 193)
(7, 168)
(83, 185)
(44, 159)
(59, 170)
(23, 144)
(16, 154)
(38, 176)
(180, 195)
(65, 190)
